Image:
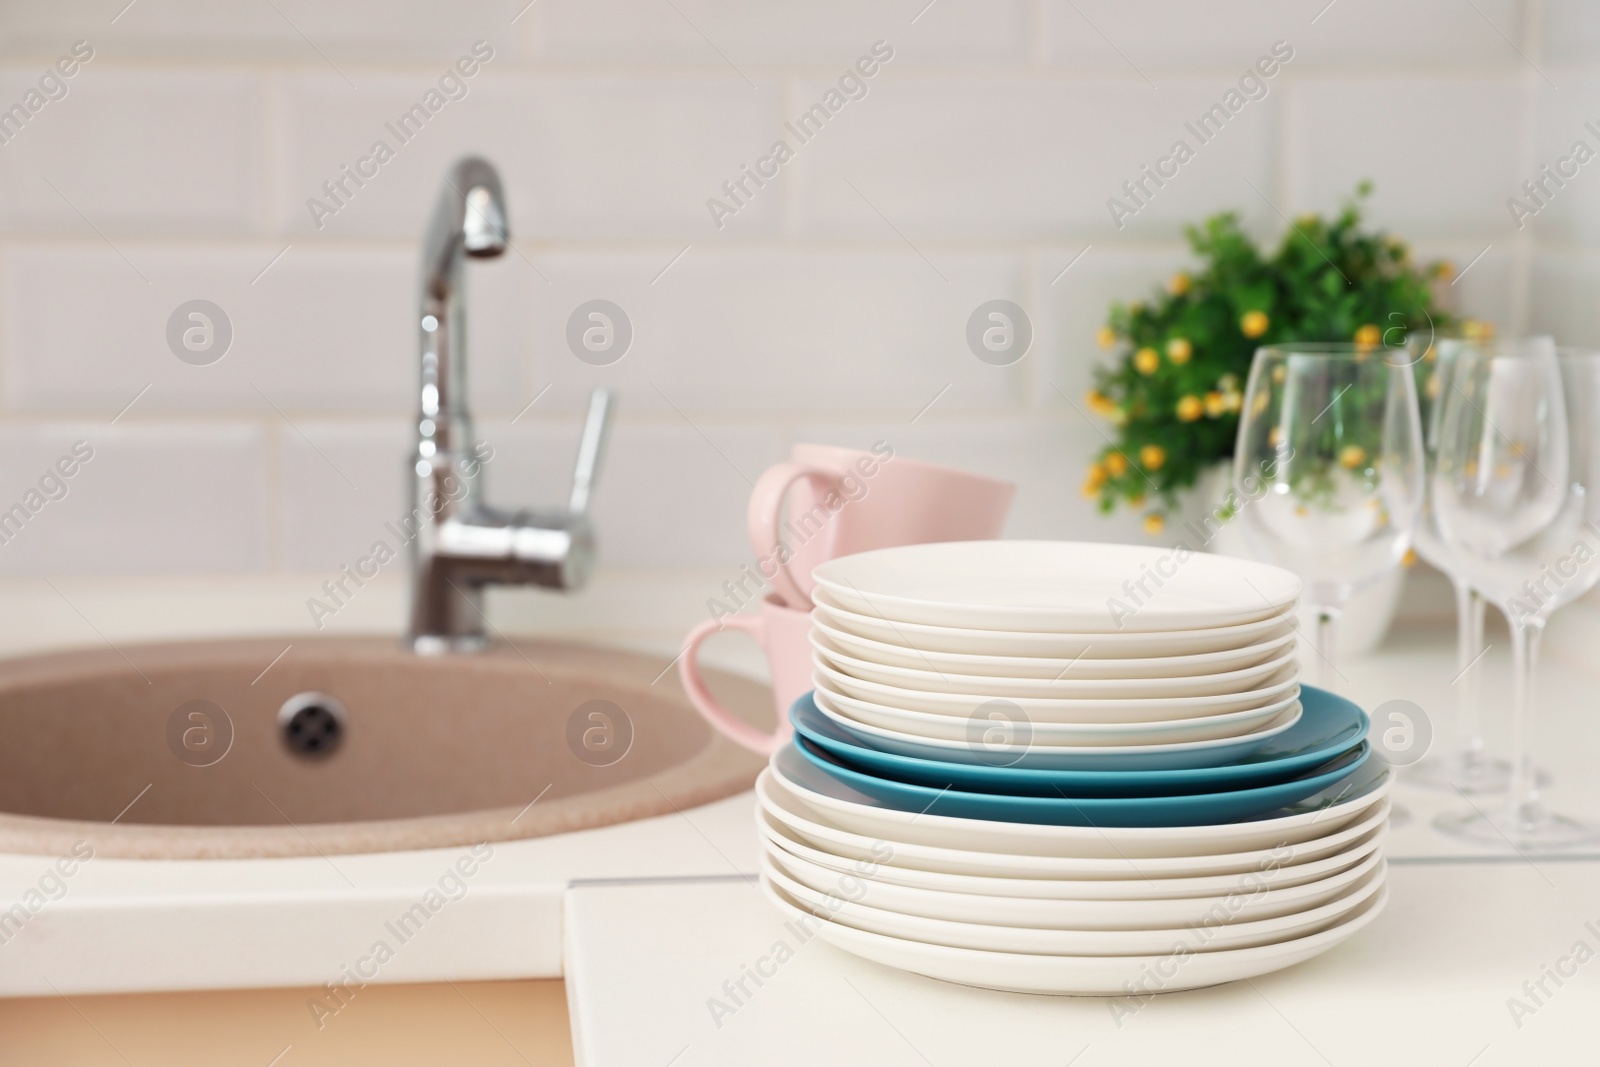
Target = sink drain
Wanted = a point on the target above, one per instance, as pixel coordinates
(311, 725)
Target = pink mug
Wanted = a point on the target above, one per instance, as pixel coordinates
(784, 634)
(845, 501)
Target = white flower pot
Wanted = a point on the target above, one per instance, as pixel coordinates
(1365, 619)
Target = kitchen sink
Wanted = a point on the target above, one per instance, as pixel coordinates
(271, 748)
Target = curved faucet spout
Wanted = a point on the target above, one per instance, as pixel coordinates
(460, 544)
(470, 218)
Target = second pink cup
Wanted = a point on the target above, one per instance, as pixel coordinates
(784, 634)
(844, 500)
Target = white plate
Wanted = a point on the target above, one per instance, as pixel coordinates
(1053, 746)
(1272, 870)
(1066, 709)
(1199, 935)
(847, 809)
(1047, 667)
(1043, 730)
(782, 810)
(1056, 586)
(1248, 899)
(1128, 687)
(961, 640)
(1079, 975)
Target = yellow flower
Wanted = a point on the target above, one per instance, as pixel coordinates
(1216, 406)
(1368, 335)
(1409, 559)
(1254, 323)
(1430, 355)
(1099, 403)
(1136, 501)
(1234, 400)
(1274, 436)
(1106, 336)
(1473, 330)
(1444, 270)
(1152, 457)
(1352, 456)
(1179, 350)
(1090, 490)
(1179, 284)
(1278, 374)
(1116, 464)
(1434, 386)
(1095, 477)
(1261, 402)
(1146, 361)
(1154, 524)
(1189, 408)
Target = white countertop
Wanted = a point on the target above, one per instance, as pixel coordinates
(1427, 983)
(648, 919)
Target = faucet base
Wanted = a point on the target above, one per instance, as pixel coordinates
(443, 645)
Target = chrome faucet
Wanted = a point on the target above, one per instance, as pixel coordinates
(462, 544)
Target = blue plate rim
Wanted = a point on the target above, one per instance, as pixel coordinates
(824, 763)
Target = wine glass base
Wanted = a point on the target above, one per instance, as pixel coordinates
(1540, 831)
(1462, 773)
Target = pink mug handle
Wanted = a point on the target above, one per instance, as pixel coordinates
(714, 713)
(764, 514)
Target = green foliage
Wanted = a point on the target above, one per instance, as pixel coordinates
(1176, 414)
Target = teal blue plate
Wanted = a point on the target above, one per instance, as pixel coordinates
(1329, 726)
(1195, 809)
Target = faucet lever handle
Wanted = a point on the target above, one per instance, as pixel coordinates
(591, 449)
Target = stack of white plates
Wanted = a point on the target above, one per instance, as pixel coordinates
(1070, 768)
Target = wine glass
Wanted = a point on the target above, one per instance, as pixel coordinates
(1329, 469)
(1466, 768)
(1516, 492)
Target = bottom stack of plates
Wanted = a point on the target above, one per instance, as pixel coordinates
(1091, 910)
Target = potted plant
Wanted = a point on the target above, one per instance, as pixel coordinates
(1174, 391)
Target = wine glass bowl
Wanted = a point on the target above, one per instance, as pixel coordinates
(1330, 443)
(1515, 493)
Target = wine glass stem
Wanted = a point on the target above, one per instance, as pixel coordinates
(1326, 621)
(1525, 637)
(1469, 643)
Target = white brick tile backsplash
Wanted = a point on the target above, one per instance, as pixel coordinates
(1571, 32)
(1440, 152)
(322, 329)
(152, 499)
(1023, 159)
(339, 483)
(580, 157)
(1072, 308)
(832, 305)
(296, 32)
(1107, 35)
(1570, 211)
(1562, 297)
(132, 150)
(829, 32)
(780, 330)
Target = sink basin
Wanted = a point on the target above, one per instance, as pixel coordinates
(185, 751)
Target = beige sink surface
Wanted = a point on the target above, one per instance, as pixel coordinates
(435, 752)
